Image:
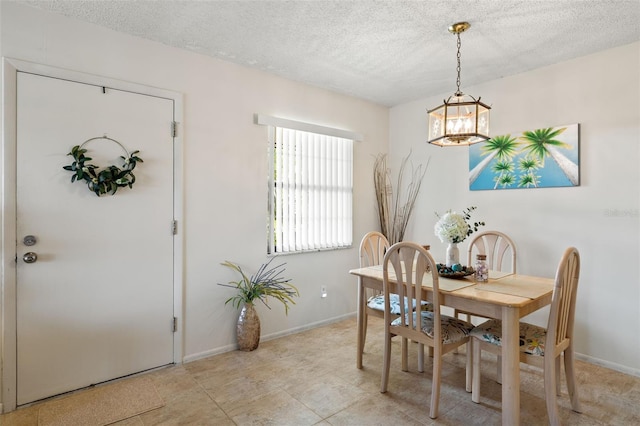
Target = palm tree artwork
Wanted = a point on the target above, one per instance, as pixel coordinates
(505, 180)
(541, 143)
(529, 166)
(540, 158)
(504, 168)
(501, 148)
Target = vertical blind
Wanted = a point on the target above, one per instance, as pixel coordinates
(311, 191)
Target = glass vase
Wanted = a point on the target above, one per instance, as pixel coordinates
(453, 255)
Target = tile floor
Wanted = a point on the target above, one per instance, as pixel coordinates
(310, 378)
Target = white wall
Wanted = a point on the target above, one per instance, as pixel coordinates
(601, 217)
(225, 164)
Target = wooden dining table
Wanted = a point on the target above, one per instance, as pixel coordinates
(507, 297)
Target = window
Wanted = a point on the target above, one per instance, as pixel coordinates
(310, 191)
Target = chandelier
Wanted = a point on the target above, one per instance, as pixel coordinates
(462, 119)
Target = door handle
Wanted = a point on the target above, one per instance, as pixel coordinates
(30, 257)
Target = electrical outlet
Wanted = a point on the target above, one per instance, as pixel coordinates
(323, 291)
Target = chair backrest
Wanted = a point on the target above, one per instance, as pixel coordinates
(497, 246)
(563, 302)
(372, 249)
(409, 264)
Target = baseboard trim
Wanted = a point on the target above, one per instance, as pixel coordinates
(267, 337)
(207, 354)
(607, 364)
(306, 327)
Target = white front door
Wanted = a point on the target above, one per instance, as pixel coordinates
(97, 304)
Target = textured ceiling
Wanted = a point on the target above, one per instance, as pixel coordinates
(388, 52)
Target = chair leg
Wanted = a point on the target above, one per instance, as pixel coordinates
(572, 385)
(363, 338)
(435, 384)
(475, 380)
(405, 354)
(499, 370)
(469, 367)
(386, 362)
(420, 358)
(558, 378)
(550, 391)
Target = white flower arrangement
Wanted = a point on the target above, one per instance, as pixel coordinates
(453, 227)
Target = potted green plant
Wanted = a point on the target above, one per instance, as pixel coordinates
(266, 282)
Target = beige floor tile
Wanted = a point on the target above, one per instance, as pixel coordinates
(193, 407)
(374, 410)
(273, 408)
(326, 394)
(231, 393)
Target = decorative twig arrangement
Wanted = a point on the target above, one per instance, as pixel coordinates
(110, 178)
(394, 210)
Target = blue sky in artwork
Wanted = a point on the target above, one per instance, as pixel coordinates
(549, 176)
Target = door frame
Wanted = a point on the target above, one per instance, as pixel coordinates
(8, 254)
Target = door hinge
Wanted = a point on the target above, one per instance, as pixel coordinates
(174, 227)
(174, 129)
(175, 324)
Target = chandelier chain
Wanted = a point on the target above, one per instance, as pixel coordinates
(458, 67)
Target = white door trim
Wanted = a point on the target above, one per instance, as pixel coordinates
(10, 68)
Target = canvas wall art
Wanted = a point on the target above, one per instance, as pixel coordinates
(540, 158)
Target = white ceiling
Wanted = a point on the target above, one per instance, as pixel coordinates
(388, 52)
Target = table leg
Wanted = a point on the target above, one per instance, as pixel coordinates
(510, 366)
(360, 322)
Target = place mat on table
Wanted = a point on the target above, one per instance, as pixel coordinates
(452, 284)
(496, 275)
(510, 286)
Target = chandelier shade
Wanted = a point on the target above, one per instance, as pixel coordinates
(462, 119)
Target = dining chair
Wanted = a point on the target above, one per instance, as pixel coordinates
(372, 249)
(497, 246)
(540, 346)
(501, 256)
(411, 264)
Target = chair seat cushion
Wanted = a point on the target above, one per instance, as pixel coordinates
(377, 303)
(532, 337)
(453, 329)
